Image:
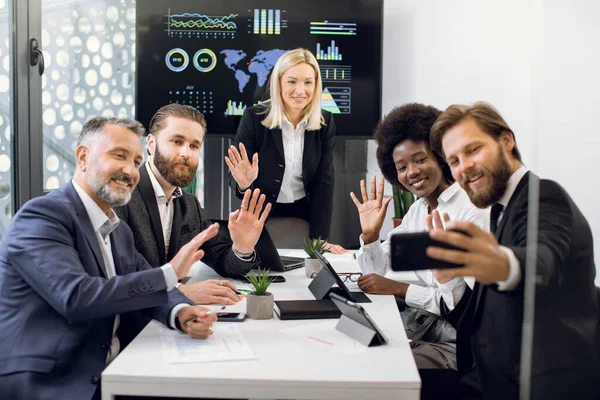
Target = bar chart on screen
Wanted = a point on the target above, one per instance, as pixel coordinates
(336, 73)
(332, 28)
(236, 108)
(332, 54)
(267, 21)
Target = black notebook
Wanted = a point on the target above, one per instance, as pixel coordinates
(306, 309)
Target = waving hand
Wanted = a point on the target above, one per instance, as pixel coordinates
(372, 210)
(243, 171)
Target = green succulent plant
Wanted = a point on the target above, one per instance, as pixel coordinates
(314, 245)
(260, 280)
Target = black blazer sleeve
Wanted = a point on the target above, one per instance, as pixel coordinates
(320, 188)
(555, 234)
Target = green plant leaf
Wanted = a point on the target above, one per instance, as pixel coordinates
(397, 202)
(311, 246)
(260, 280)
(402, 201)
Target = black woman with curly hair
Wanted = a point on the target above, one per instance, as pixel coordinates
(407, 161)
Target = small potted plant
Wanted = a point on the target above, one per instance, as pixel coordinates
(312, 265)
(402, 202)
(259, 304)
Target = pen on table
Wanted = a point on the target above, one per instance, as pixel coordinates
(209, 312)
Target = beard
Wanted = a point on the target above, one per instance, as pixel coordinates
(167, 169)
(498, 172)
(109, 195)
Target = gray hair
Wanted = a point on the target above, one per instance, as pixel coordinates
(95, 128)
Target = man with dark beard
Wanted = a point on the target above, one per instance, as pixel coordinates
(70, 275)
(480, 148)
(164, 218)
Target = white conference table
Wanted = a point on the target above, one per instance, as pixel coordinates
(287, 367)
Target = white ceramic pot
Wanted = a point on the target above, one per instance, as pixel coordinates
(312, 266)
(259, 307)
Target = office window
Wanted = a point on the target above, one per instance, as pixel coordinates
(5, 115)
(89, 49)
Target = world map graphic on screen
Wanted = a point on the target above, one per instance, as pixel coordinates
(261, 65)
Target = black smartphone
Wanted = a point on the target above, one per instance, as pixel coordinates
(276, 279)
(231, 317)
(408, 252)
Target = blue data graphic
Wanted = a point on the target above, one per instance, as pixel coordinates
(200, 26)
(336, 73)
(333, 52)
(332, 28)
(236, 108)
(336, 100)
(260, 65)
(177, 60)
(267, 21)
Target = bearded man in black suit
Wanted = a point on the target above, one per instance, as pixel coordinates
(481, 151)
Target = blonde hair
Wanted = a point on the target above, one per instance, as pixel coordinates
(275, 107)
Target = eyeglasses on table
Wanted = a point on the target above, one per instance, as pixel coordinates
(350, 276)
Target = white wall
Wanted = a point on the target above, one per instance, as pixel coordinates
(568, 101)
(536, 61)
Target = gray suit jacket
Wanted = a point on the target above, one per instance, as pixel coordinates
(189, 219)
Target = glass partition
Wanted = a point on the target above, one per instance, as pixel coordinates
(6, 114)
(89, 49)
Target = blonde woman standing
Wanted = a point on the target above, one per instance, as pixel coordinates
(286, 146)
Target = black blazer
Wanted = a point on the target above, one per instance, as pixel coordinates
(317, 165)
(189, 219)
(566, 308)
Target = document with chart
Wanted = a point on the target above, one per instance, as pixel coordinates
(225, 344)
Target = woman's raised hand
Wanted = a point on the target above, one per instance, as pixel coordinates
(243, 171)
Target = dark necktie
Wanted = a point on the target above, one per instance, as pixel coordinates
(494, 214)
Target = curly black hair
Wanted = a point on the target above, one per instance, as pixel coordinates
(411, 121)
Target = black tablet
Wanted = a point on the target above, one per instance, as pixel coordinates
(343, 290)
(358, 314)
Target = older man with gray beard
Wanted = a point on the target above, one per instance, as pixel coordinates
(69, 271)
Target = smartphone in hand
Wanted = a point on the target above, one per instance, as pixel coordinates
(408, 252)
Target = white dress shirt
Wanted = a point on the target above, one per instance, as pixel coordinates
(165, 206)
(292, 185)
(514, 267)
(376, 257)
(103, 226)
